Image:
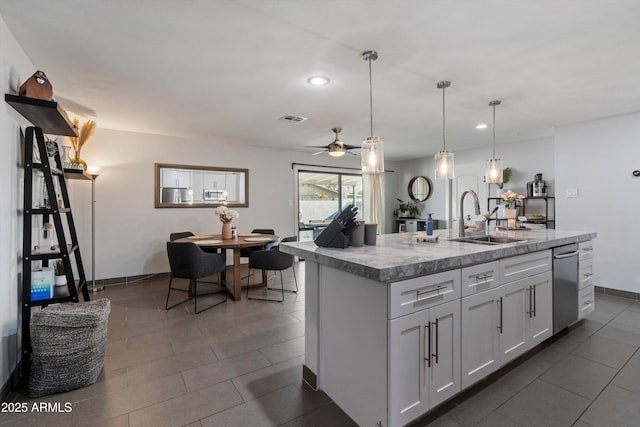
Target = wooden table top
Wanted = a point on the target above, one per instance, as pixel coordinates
(244, 240)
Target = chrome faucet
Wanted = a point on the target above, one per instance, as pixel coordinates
(461, 220)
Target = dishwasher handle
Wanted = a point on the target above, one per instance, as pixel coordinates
(566, 255)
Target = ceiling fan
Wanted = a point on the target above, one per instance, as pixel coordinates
(336, 148)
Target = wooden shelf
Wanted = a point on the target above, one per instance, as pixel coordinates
(47, 115)
(77, 174)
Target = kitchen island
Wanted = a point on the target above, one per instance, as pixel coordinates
(394, 330)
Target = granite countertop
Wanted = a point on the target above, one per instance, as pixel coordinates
(400, 256)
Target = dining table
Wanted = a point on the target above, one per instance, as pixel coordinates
(243, 240)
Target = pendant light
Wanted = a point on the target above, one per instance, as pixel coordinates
(493, 168)
(372, 150)
(444, 159)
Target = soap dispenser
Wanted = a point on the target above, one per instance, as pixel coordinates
(429, 225)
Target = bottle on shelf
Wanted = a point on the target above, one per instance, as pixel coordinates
(429, 225)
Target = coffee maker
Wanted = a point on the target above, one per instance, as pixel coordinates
(539, 186)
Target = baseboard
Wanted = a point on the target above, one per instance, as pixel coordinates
(617, 293)
(309, 377)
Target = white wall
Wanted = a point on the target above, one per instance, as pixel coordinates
(597, 158)
(16, 68)
(131, 233)
(525, 159)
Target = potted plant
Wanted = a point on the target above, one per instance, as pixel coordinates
(58, 270)
(407, 209)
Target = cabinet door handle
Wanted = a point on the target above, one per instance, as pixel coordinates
(500, 325)
(530, 302)
(427, 327)
(535, 303)
(435, 355)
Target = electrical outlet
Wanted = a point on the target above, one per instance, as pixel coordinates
(572, 193)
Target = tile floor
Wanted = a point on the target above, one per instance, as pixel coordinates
(240, 364)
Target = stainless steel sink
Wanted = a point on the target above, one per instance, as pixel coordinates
(487, 240)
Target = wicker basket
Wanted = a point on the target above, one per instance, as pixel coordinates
(68, 342)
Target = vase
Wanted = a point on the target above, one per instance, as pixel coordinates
(60, 281)
(226, 231)
(511, 213)
(64, 156)
(77, 162)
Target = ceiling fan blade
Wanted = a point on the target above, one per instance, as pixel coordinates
(319, 152)
(315, 146)
(351, 153)
(351, 147)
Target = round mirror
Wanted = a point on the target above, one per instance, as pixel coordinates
(419, 188)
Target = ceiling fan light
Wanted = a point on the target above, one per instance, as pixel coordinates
(336, 153)
(493, 171)
(372, 155)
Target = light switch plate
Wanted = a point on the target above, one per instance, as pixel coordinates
(572, 193)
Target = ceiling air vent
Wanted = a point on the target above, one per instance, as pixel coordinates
(291, 118)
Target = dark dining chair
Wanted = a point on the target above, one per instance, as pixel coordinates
(188, 261)
(245, 252)
(273, 260)
(180, 235)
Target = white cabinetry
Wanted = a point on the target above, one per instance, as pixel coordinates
(586, 295)
(176, 178)
(480, 321)
(424, 344)
(508, 319)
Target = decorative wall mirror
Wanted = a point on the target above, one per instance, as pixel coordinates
(183, 186)
(420, 188)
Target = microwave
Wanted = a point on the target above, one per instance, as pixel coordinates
(214, 195)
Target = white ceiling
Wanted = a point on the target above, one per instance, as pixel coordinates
(219, 69)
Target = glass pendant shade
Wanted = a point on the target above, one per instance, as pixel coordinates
(444, 165)
(444, 159)
(493, 171)
(372, 155)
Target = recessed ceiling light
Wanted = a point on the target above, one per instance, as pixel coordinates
(318, 80)
(482, 126)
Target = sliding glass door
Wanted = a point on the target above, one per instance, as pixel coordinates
(321, 196)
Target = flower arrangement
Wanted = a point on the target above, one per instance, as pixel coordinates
(226, 215)
(511, 199)
(406, 209)
(84, 133)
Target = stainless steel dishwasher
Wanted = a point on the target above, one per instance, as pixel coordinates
(565, 286)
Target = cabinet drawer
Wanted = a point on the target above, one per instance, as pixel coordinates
(585, 276)
(586, 299)
(586, 250)
(409, 296)
(521, 266)
(478, 278)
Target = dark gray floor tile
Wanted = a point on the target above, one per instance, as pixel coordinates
(620, 333)
(604, 351)
(628, 318)
(473, 409)
(328, 415)
(272, 409)
(497, 419)
(265, 380)
(614, 407)
(580, 376)
(584, 329)
(223, 370)
(559, 349)
(525, 373)
(544, 404)
(612, 304)
(629, 377)
(187, 408)
(285, 350)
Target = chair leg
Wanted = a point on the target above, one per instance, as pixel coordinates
(166, 304)
(295, 279)
(267, 288)
(195, 289)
